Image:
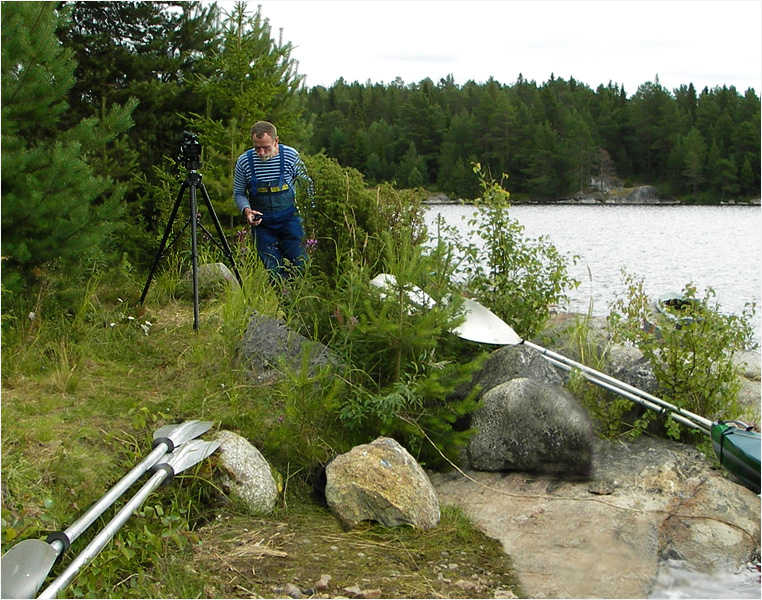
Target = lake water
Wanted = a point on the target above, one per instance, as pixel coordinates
(668, 246)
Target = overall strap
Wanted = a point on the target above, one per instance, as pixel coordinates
(253, 180)
(282, 180)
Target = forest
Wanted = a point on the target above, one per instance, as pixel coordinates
(97, 95)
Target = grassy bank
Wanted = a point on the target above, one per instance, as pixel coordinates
(81, 397)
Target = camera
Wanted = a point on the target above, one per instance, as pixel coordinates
(190, 151)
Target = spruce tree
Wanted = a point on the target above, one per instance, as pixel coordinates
(55, 211)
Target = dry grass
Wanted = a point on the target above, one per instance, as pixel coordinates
(264, 558)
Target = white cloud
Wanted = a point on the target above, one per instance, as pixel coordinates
(707, 43)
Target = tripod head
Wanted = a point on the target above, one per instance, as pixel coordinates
(190, 151)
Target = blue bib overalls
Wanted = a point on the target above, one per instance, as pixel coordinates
(280, 235)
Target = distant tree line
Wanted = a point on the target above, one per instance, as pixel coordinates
(96, 96)
(550, 139)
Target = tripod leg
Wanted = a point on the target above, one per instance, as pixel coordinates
(163, 244)
(194, 251)
(221, 234)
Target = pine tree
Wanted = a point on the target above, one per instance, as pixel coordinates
(56, 211)
(252, 78)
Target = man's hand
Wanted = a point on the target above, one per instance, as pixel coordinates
(253, 217)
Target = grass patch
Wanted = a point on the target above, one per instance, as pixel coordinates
(79, 407)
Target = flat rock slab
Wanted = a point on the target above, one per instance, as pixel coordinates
(604, 537)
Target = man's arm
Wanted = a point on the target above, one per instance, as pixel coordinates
(240, 178)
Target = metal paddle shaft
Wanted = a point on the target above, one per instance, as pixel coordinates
(27, 564)
(190, 454)
(484, 326)
(622, 388)
(630, 396)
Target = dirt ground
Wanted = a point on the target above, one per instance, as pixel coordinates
(309, 555)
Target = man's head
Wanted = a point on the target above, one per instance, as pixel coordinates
(264, 136)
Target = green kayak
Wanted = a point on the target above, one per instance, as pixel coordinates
(738, 449)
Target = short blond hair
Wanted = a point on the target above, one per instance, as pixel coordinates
(260, 128)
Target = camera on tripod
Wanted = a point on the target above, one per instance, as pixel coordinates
(190, 151)
(190, 156)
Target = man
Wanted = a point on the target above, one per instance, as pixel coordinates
(264, 192)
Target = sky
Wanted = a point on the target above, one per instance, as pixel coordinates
(707, 43)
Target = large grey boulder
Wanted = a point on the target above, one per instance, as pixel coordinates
(513, 362)
(525, 425)
(246, 474)
(380, 482)
(270, 350)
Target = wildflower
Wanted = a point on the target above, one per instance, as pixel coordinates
(311, 245)
(32, 316)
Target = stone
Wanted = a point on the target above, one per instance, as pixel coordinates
(523, 425)
(212, 278)
(270, 350)
(323, 583)
(246, 473)
(380, 482)
(512, 362)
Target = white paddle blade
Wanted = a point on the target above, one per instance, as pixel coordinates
(181, 433)
(415, 295)
(25, 567)
(190, 454)
(484, 326)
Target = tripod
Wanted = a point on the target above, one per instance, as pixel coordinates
(193, 182)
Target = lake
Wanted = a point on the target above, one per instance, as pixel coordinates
(668, 246)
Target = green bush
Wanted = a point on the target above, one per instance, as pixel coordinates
(519, 279)
(691, 352)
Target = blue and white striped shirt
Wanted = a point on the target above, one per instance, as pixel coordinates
(268, 173)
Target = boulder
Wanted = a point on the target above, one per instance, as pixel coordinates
(512, 362)
(246, 473)
(525, 425)
(380, 482)
(211, 278)
(270, 350)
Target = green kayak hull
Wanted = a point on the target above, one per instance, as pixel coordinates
(739, 452)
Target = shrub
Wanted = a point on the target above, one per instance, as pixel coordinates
(691, 353)
(517, 278)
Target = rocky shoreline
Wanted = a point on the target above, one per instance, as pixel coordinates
(600, 529)
(615, 195)
(647, 501)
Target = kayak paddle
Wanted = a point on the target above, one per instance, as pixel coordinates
(27, 564)
(190, 454)
(736, 445)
